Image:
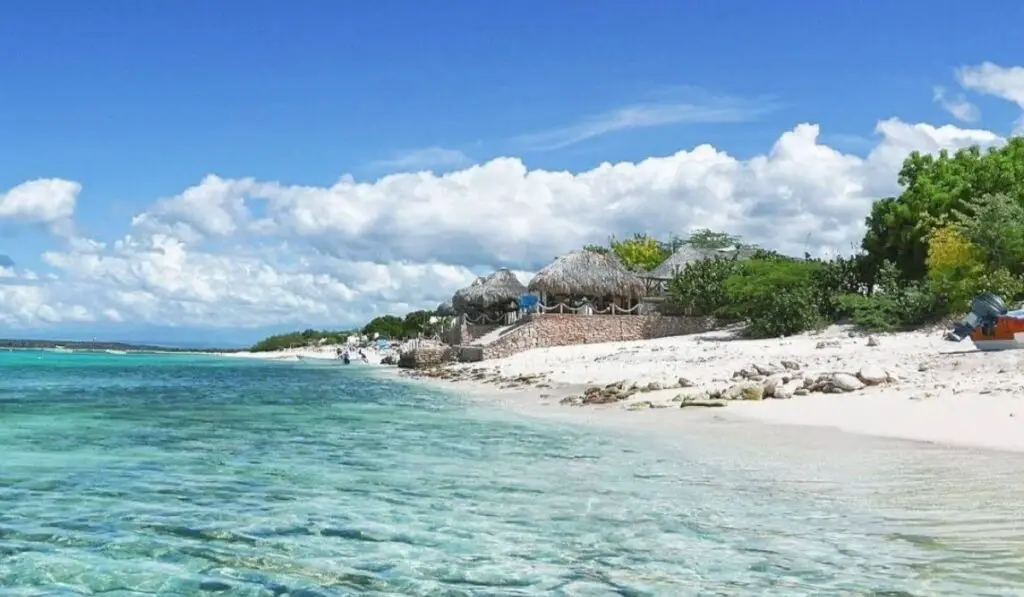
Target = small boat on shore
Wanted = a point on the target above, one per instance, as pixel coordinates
(990, 325)
(322, 360)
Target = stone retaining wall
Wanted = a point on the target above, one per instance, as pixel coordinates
(561, 330)
(426, 356)
(465, 333)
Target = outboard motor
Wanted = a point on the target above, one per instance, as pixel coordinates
(985, 311)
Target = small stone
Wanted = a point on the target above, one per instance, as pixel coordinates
(846, 382)
(684, 383)
(872, 341)
(872, 375)
(772, 384)
(923, 367)
(801, 392)
(787, 391)
(642, 405)
(791, 365)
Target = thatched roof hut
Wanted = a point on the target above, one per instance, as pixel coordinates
(687, 254)
(588, 273)
(491, 292)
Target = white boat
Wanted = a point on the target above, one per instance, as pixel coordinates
(320, 359)
(61, 349)
(112, 351)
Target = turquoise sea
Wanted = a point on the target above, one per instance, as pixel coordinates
(196, 475)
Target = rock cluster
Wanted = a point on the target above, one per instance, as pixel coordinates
(776, 380)
(619, 391)
(782, 380)
(482, 375)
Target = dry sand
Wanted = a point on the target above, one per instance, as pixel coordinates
(942, 392)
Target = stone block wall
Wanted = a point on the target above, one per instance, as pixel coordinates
(561, 330)
(426, 356)
(464, 333)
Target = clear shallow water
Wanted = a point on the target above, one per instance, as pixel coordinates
(189, 475)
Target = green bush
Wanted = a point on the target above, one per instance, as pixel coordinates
(700, 288)
(893, 305)
(776, 296)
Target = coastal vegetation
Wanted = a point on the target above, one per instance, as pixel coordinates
(390, 327)
(957, 229)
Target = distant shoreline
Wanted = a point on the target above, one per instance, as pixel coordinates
(45, 344)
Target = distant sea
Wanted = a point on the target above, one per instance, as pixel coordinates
(201, 475)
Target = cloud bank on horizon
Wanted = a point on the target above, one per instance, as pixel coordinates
(250, 253)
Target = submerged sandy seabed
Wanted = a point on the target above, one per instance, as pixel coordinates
(940, 392)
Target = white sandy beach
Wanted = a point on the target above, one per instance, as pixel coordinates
(322, 352)
(941, 392)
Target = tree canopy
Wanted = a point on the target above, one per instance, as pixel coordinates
(935, 188)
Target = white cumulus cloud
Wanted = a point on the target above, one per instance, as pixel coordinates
(339, 254)
(998, 81)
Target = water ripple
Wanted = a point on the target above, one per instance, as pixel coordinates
(180, 475)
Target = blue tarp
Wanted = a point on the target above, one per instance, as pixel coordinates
(528, 301)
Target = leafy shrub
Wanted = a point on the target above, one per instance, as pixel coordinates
(995, 225)
(777, 296)
(700, 288)
(893, 305)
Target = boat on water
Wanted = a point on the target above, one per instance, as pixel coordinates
(63, 349)
(112, 351)
(990, 325)
(323, 360)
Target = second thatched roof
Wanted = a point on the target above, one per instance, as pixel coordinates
(495, 290)
(588, 273)
(687, 254)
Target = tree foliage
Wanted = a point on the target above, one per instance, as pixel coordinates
(299, 339)
(777, 296)
(699, 289)
(995, 225)
(934, 189)
(641, 253)
(710, 239)
(392, 327)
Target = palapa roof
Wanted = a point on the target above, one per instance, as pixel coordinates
(495, 290)
(688, 254)
(588, 273)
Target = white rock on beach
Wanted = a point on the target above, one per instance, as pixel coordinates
(873, 385)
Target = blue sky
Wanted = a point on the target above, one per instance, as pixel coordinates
(137, 101)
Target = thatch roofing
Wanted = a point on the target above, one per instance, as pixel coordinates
(588, 273)
(495, 290)
(687, 254)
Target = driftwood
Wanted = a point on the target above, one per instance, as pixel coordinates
(704, 403)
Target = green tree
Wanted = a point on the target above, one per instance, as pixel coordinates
(777, 296)
(416, 323)
(934, 188)
(640, 253)
(709, 239)
(995, 225)
(388, 326)
(699, 289)
(299, 339)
